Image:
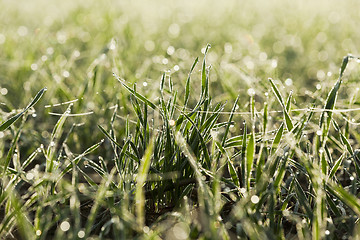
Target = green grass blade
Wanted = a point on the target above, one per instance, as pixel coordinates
(141, 179)
(243, 155)
(55, 135)
(277, 93)
(277, 138)
(11, 150)
(204, 77)
(250, 151)
(13, 119)
(136, 94)
(349, 199)
(187, 85)
(108, 136)
(336, 166)
(229, 121)
(231, 167)
(288, 122)
(331, 98)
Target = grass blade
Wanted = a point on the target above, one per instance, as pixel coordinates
(136, 94)
(13, 119)
(288, 122)
(187, 85)
(250, 151)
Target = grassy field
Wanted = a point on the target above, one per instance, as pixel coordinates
(179, 119)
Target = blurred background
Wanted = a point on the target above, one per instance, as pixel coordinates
(73, 47)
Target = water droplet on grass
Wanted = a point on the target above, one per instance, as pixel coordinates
(255, 199)
(81, 234)
(34, 66)
(146, 229)
(65, 226)
(170, 50)
(66, 74)
(274, 63)
(3, 91)
(251, 92)
(288, 82)
(165, 61)
(30, 176)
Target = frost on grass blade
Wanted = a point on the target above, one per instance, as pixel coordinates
(13, 119)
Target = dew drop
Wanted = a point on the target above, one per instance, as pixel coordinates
(288, 82)
(81, 234)
(30, 176)
(65, 226)
(251, 92)
(255, 199)
(34, 66)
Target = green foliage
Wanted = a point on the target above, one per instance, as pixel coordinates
(256, 142)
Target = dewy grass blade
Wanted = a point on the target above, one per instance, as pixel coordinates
(204, 78)
(231, 167)
(288, 122)
(162, 81)
(187, 85)
(11, 150)
(13, 119)
(250, 151)
(336, 166)
(202, 142)
(108, 136)
(136, 94)
(243, 155)
(331, 99)
(229, 122)
(55, 135)
(344, 196)
(77, 159)
(141, 180)
(277, 139)
(277, 93)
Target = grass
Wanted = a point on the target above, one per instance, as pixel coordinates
(147, 132)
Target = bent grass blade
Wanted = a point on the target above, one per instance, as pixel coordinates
(13, 119)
